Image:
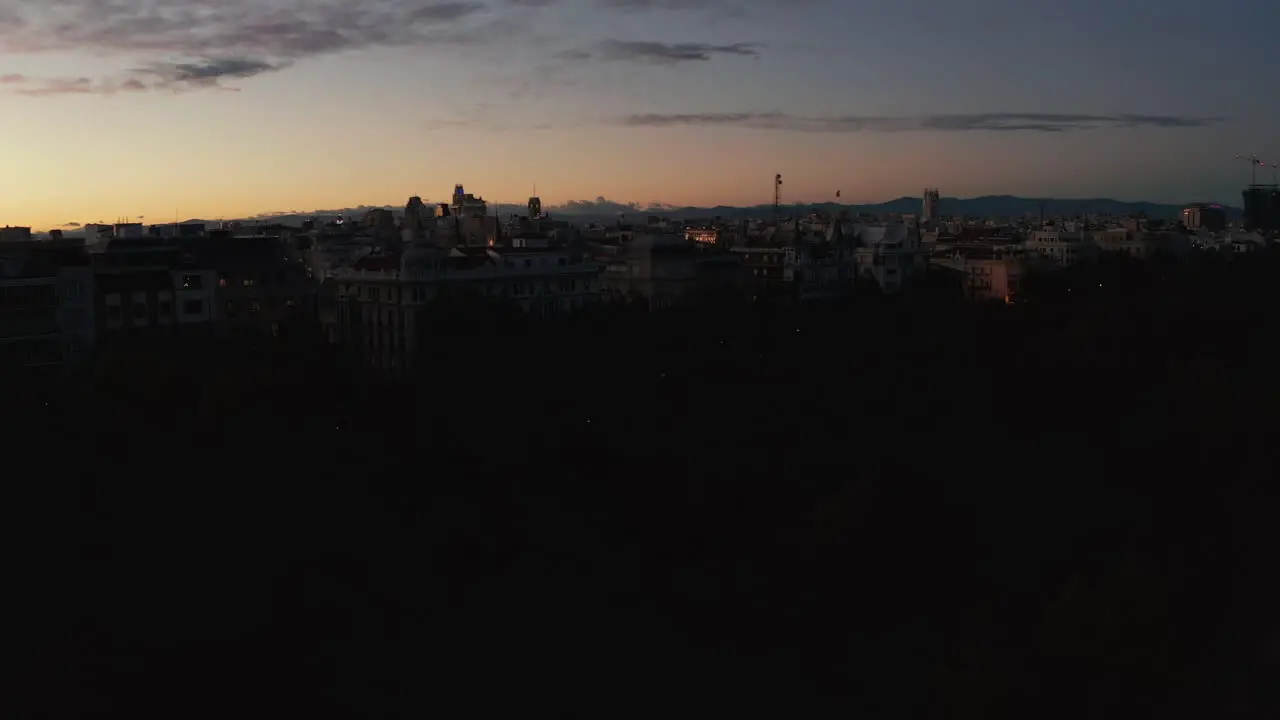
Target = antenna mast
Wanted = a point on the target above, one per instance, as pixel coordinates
(777, 195)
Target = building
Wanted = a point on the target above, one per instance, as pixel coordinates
(706, 236)
(379, 300)
(260, 287)
(1061, 247)
(14, 234)
(929, 207)
(665, 270)
(890, 254)
(148, 286)
(129, 231)
(1262, 209)
(1205, 216)
(46, 308)
(463, 204)
(986, 272)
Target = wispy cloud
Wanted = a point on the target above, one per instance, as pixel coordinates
(206, 72)
(659, 53)
(1007, 122)
(12, 79)
(64, 86)
(176, 39)
(724, 8)
(635, 5)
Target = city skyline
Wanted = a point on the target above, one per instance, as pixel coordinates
(189, 108)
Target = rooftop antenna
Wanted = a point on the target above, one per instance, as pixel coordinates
(777, 195)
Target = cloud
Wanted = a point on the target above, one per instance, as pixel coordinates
(658, 53)
(1008, 122)
(722, 8)
(176, 75)
(177, 38)
(666, 4)
(63, 86)
(12, 79)
(71, 225)
(599, 206)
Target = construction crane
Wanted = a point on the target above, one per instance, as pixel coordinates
(1254, 161)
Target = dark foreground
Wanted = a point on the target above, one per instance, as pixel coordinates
(1060, 510)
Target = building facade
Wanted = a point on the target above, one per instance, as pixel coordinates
(46, 307)
(379, 301)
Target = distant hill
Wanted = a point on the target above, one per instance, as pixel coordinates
(602, 210)
(606, 211)
(985, 206)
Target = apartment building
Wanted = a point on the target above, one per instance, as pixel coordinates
(46, 309)
(378, 300)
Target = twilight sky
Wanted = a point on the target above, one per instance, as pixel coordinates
(229, 108)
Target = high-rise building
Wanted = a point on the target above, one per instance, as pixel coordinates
(929, 208)
(1262, 208)
(464, 204)
(1209, 216)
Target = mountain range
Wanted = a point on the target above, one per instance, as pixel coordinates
(985, 206)
(602, 210)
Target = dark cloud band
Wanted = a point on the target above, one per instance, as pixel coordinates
(1008, 122)
(659, 53)
(243, 37)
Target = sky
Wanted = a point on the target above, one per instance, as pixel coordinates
(168, 109)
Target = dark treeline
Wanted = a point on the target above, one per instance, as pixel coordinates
(908, 507)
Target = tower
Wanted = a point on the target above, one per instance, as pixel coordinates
(929, 207)
(414, 226)
(535, 205)
(777, 194)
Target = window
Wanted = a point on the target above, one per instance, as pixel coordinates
(193, 307)
(140, 310)
(75, 290)
(248, 282)
(113, 312)
(222, 281)
(191, 282)
(231, 309)
(255, 306)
